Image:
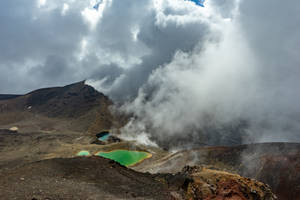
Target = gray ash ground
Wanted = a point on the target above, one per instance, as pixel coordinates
(79, 178)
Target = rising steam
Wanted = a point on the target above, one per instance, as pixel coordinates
(214, 93)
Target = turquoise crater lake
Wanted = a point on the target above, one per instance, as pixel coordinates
(125, 157)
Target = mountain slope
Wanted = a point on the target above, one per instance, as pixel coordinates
(75, 107)
(68, 101)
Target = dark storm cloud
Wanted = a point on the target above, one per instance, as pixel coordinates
(54, 68)
(114, 34)
(25, 36)
(44, 45)
(160, 33)
(32, 44)
(163, 41)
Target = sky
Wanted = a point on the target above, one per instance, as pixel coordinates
(178, 66)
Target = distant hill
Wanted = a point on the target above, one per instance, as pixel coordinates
(68, 101)
(77, 107)
(8, 96)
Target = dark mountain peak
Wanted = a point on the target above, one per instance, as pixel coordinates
(72, 91)
(77, 107)
(68, 101)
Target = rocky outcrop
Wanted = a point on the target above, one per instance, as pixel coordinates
(276, 164)
(211, 184)
(198, 182)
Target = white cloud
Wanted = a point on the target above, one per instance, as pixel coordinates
(41, 3)
(65, 8)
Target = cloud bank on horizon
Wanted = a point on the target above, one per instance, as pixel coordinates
(181, 68)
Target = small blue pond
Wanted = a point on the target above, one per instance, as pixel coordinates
(103, 136)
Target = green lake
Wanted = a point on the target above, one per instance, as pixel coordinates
(125, 157)
(83, 153)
